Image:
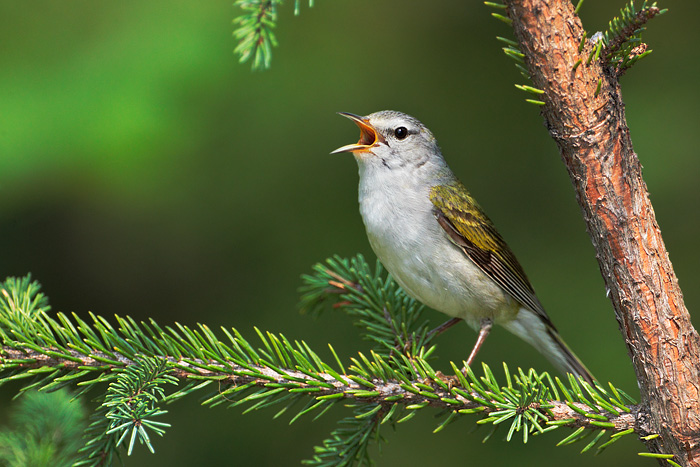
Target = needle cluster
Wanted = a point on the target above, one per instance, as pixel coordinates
(254, 31)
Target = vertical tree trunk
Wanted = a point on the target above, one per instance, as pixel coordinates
(591, 131)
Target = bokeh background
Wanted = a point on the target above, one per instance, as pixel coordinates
(143, 171)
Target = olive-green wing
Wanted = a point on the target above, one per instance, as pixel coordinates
(471, 230)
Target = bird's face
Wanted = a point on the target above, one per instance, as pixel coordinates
(391, 140)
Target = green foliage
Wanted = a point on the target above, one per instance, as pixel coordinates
(127, 408)
(136, 361)
(348, 443)
(100, 448)
(620, 46)
(255, 30)
(132, 401)
(387, 316)
(46, 430)
(623, 39)
(512, 50)
(21, 302)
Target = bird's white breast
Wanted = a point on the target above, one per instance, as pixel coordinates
(407, 239)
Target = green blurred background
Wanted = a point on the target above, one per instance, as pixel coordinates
(143, 171)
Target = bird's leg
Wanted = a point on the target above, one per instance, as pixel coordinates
(432, 333)
(442, 328)
(486, 325)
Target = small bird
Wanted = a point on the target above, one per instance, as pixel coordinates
(436, 241)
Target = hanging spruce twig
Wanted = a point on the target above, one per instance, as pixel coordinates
(254, 30)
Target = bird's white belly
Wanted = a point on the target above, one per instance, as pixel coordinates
(428, 266)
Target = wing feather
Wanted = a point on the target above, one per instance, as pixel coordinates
(470, 229)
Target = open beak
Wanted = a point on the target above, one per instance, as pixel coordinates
(368, 135)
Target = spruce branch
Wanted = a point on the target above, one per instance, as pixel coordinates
(260, 385)
(132, 400)
(100, 448)
(361, 385)
(43, 429)
(348, 443)
(619, 47)
(387, 316)
(623, 39)
(255, 30)
(137, 361)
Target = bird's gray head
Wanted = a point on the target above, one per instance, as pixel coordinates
(391, 140)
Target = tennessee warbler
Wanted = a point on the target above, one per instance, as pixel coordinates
(438, 244)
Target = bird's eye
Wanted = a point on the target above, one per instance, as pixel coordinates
(401, 132)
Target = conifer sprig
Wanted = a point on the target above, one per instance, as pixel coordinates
(136, 362)
(254, 30)
(386, 315)
(623, 39)
(619, 47)
(43, 429)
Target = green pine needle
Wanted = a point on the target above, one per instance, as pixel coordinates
(530, 89)
(535, 102)
(654, 455)
(505, 19)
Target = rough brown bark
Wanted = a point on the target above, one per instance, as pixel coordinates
(591, 132)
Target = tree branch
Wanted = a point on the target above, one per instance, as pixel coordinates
(135, 360)
(588, 124)
(385, 393)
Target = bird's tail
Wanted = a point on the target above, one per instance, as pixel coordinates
(544, 337)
